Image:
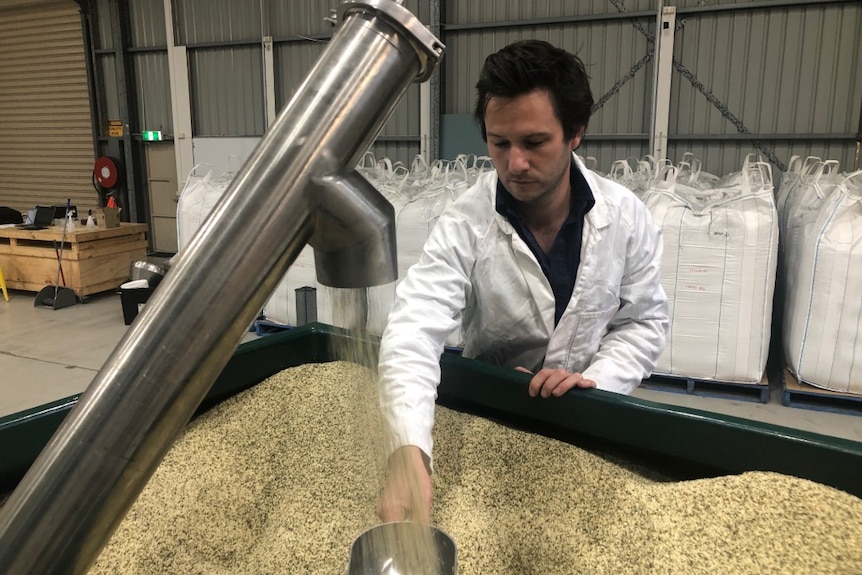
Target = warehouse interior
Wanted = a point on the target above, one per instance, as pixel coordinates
(151, 131)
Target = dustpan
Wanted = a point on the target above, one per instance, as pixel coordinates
(54, 296)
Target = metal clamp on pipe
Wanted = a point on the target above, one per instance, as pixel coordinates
(428, 47)
(296, 185)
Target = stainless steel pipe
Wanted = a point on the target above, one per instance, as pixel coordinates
(296, 188)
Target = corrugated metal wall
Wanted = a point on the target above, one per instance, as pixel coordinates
(612, 49)
(148, 62)
(789, 74)
(299, 35)
(149, 65)
(788, 71)
(223, 39)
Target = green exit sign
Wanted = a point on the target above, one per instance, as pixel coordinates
(151, 136)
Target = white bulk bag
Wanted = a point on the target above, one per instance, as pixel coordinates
(333, 306)
(199, 196)
(639, 181)
(823, 311)
(692, 174)
(196, 199)
(802, 203)
(397, 184)
(718, 269)
(280, 308)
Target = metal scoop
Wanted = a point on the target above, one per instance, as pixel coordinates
(403, 548)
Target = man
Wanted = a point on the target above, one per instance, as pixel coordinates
(549, 268)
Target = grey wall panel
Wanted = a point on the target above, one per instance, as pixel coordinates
(291, 18)
(292, 62)
(104, 39)
(211, 21)
(404, 120)
(226, 87)
(462, 12)
(420, 8)
(152, 82)
(745, 5)
(147, 18)
(296, 18)
(106, 73)
(609, 51)
(788, 70)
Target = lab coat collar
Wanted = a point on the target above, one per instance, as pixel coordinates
(600, 215)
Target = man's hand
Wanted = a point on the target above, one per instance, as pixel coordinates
(555, 382)
(407, 493)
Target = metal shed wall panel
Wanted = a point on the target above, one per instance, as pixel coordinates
(147, 19)
(46, 152)
(784, 71)
(214, 21)
(152, 82)
(298, 18)
(104, 38)
(608, 51)
(484, 11)
(292, 62)
(227, 91)
(788, 71)
(300, 28)
(611, 51)
(106, 75)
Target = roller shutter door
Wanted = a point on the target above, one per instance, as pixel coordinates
(46, 138)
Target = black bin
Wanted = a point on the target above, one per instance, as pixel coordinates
(132, 301)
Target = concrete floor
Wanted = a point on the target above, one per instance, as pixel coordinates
(48, 354)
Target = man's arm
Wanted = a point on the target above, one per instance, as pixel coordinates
(407, 493)
(636, 335)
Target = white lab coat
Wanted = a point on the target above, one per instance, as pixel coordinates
(475, 270)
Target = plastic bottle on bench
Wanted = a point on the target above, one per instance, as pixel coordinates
(70, 224)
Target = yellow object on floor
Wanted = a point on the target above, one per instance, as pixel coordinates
(3, 285)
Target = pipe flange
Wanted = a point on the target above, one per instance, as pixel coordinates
(428, 47)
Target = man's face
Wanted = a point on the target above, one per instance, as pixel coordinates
(526, 143)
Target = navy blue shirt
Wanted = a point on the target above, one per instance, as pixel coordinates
(561, 264)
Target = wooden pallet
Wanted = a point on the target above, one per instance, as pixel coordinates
(758, 392)
(797, 394)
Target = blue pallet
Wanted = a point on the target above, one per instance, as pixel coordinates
(757, 392)
(804, 396)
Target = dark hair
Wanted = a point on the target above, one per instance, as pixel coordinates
(525, 66)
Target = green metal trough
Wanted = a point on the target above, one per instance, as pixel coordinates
(680, 442)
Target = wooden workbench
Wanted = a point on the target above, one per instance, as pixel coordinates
(93, 260)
